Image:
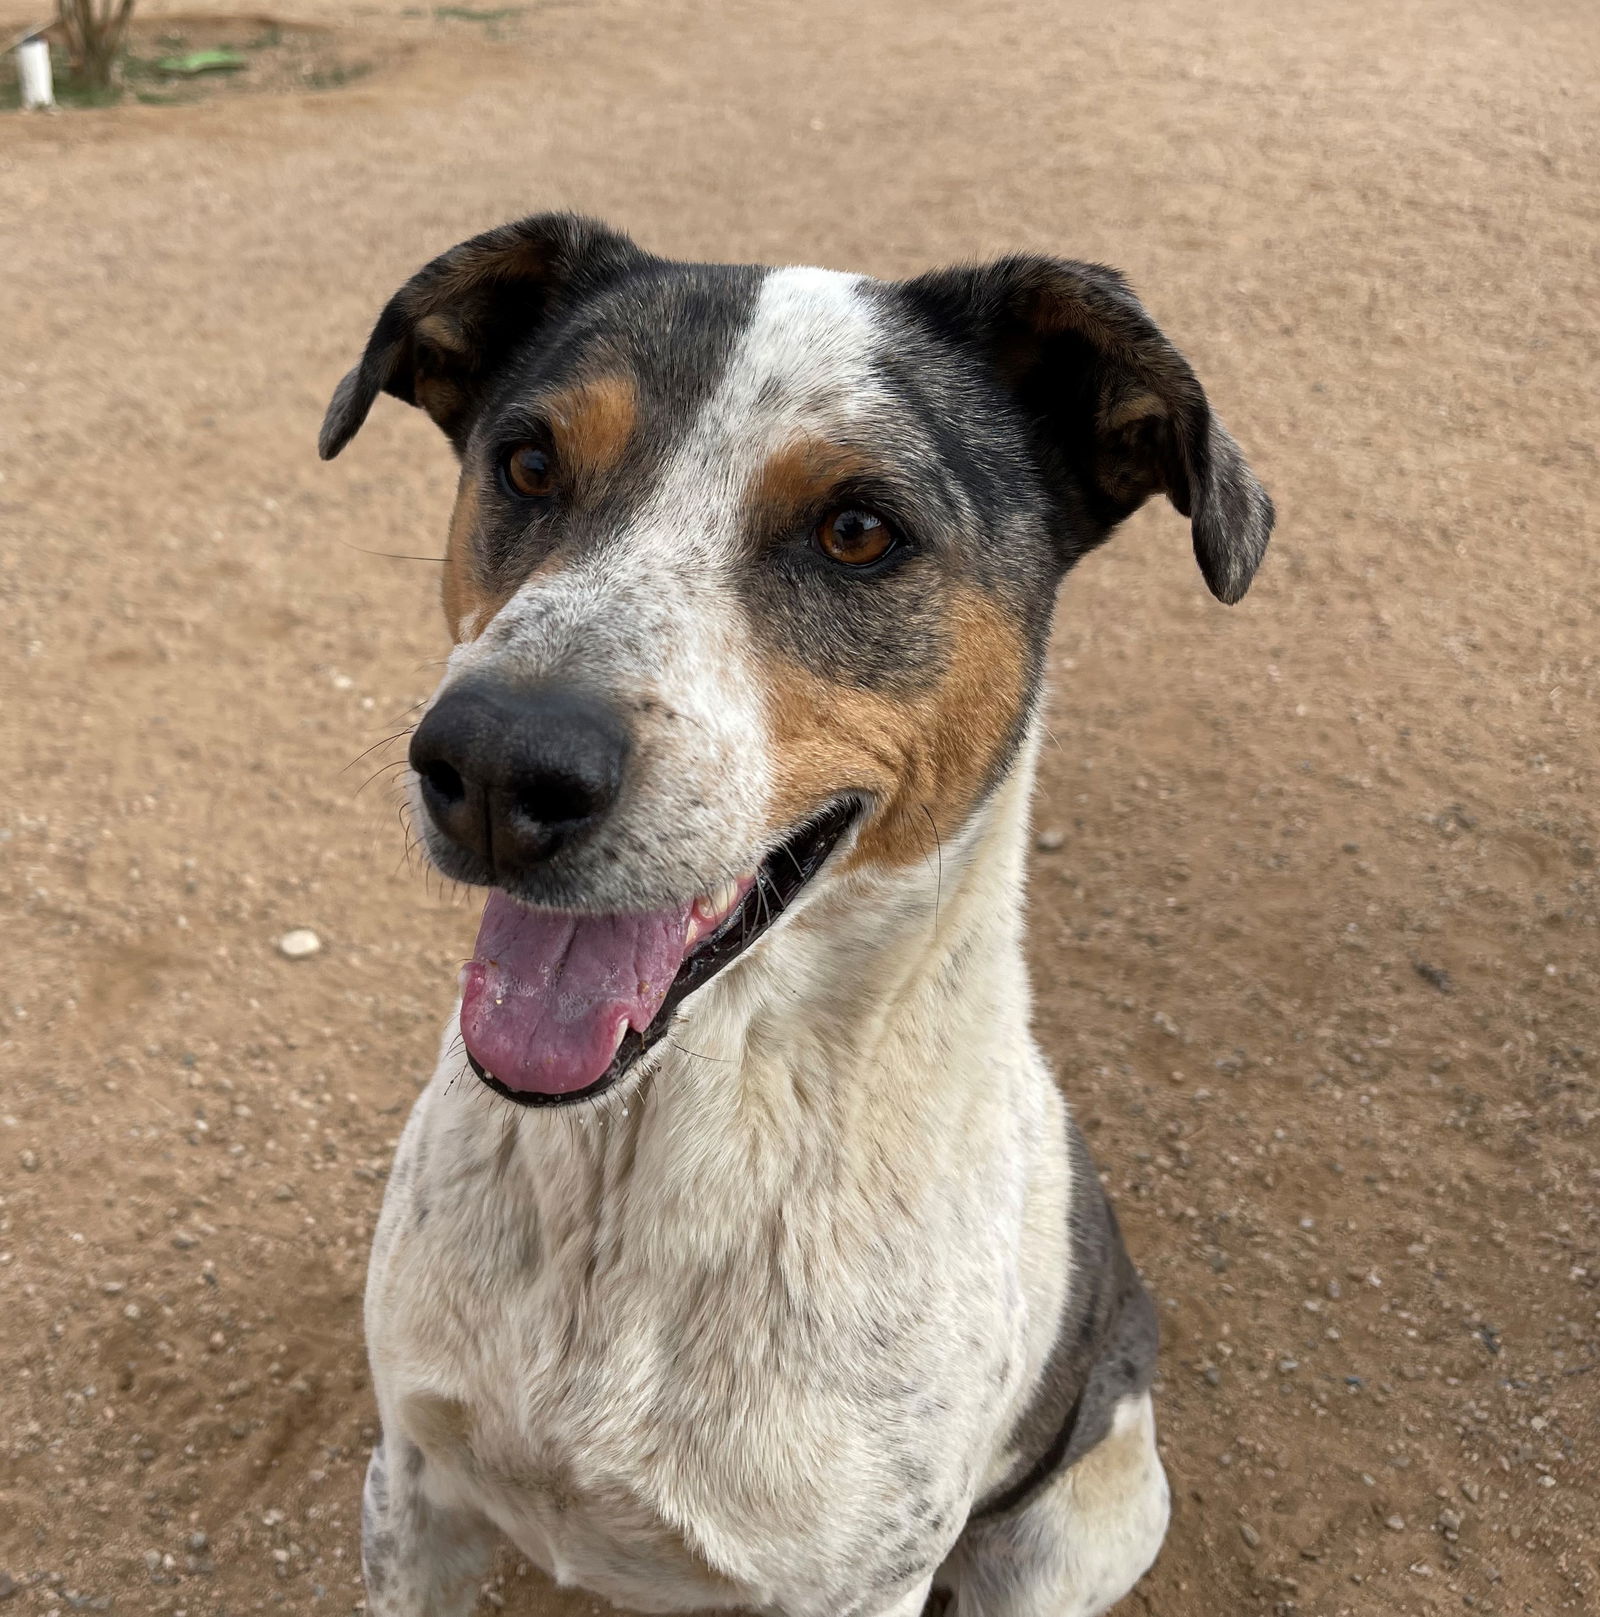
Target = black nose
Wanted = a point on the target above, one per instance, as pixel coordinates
(512, 775)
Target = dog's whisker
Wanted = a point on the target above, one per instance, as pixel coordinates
(391, 555)
(938, 885)
(382, 769)
(405, 731)
(700, 1055)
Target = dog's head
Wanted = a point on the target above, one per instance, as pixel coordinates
(750, 573)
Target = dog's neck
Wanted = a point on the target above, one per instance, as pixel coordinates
(887, 1014)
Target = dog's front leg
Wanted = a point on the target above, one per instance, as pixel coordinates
(419, 1560)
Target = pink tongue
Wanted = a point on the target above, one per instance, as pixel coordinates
(546, 993)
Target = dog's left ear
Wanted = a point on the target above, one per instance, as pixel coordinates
(1114, 407)
(448, 330)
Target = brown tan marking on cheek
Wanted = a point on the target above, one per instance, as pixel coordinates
(459, 589)
(468, 604)
(592, 423)
(925, 759)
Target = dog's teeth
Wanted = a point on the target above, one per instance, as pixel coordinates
(622, 1033)
(714, 905)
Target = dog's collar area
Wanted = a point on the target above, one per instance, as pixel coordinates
(779, 880)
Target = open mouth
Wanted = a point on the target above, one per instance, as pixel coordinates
(557, 1008)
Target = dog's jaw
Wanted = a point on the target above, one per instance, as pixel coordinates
(559, 1008)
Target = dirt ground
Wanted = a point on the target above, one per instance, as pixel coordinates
(1315, 915)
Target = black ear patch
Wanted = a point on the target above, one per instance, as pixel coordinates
(1112, 405)
(443, 335)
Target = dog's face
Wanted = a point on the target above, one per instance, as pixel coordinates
(750, 573)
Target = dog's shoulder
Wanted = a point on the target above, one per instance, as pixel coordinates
(1104, 1351)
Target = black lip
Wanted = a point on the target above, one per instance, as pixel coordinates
(780, 877)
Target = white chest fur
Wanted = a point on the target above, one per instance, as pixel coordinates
(757, 1335)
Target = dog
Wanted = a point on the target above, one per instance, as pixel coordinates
(741, 1251)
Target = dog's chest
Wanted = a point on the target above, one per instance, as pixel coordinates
(693, 1412)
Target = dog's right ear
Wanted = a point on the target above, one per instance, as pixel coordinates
(447, 331)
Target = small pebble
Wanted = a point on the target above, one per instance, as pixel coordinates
(30, 1162)
(284, 1193)
(1434, 976)
(1395, 1524)
(1249, 1534)
(300, 944)
(1050, 841)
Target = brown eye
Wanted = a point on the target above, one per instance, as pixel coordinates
(854, 538)
(528, 472)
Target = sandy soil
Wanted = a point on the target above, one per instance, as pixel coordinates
(1318, 946)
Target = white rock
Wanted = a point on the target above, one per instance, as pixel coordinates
(300, 944)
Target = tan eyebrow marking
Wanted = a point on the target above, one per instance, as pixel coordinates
(592, 422)
(804, 472)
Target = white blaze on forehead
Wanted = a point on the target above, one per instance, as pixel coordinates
(802, 365)
(804, 362)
